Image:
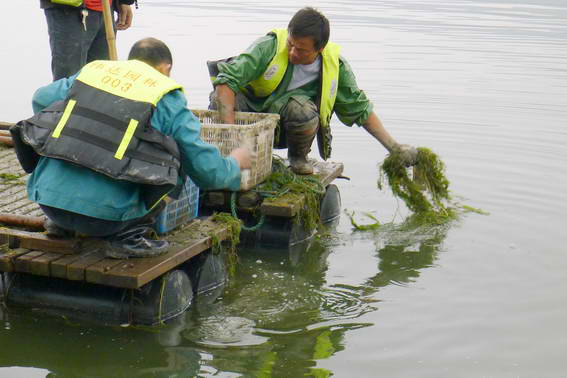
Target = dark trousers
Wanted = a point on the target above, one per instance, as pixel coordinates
(71, 45)
(94, 226)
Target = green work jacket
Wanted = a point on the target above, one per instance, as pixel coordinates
(351, 105)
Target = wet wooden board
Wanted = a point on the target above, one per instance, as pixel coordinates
(40, 241)
(134, 273)
(285, 206)
(92, 266)
(8, 255)
(41, 265)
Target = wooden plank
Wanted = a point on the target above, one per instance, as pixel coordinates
(97, 273)
(76, 270)
(286, 206)
(22, 263)
(136, 272)
(41, 265)
(7, 256)
(58, 267)
(40, 241)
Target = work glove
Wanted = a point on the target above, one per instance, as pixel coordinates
(408, 154)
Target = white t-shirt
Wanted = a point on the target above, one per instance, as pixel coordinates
(304, 73)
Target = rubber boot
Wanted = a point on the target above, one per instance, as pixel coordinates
(299, 139)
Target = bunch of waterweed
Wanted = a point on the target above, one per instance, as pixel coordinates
(426, 192)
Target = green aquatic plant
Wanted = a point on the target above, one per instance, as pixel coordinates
(8, 176)
(234, 226)
(364, 227)
(470, 209)
(426, 191)
(285, 185)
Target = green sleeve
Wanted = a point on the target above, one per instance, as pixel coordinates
(249, 65)
(351, 105)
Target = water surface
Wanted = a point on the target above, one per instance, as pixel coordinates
(482, 83)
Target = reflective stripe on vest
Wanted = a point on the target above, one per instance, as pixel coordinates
(271, 78)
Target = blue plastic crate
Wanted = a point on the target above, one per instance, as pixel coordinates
(179, 211)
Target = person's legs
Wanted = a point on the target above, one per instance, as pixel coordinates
(82, 224)
(131, 238)
(98, 49)
(68, 39)
(299, 123)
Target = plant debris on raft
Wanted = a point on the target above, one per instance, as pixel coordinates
(426, 191)
(234, 226)
(282, 181)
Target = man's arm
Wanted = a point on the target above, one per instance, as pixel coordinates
(352, 106)
(47, 95)
(225, 103)
(201, 161)
(375, 128)
(240, 71)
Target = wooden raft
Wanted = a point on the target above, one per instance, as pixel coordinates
(91, 265)
(287, 206)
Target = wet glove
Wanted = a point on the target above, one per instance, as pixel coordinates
(407, 153)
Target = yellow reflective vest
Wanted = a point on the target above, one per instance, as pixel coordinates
(271, 78)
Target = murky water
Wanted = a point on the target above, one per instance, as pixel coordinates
(484, 84)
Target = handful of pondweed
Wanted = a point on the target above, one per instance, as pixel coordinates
(425, 191)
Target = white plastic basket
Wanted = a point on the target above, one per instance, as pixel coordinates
(254, 131)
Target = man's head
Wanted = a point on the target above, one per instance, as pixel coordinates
(153, 52)
(308, 35)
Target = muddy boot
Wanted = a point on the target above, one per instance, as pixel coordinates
(299, 139)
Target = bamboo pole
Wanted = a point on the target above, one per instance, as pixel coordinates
(5, 125)
(110, 36)
(6, 140)
(22, 220)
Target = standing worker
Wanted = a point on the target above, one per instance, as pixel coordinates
(298, 74)
(107, 144)
(76, 32)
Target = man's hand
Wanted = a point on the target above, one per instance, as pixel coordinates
(125, 16)
(243, 157)
(408, 153)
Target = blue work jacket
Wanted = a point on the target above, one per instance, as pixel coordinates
(63, 185)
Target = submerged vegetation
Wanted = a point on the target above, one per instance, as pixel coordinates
(364, 227)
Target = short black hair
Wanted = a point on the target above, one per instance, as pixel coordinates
(309, 22)
(151, 51)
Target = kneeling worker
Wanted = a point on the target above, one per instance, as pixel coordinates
(109, 143)
(297, 73)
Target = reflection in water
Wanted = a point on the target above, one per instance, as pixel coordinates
(277, 318)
